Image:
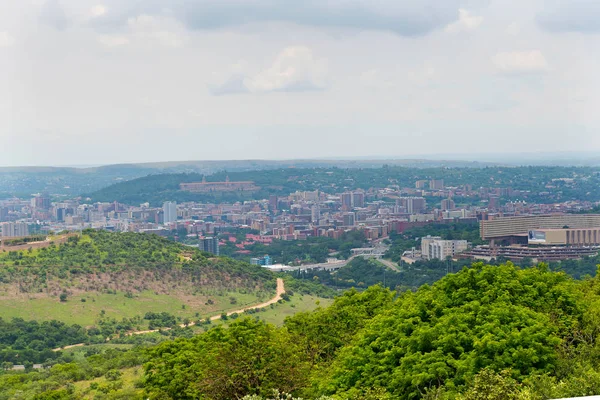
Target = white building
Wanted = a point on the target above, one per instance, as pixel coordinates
(434, 247)
(169, 212)
(14, 229)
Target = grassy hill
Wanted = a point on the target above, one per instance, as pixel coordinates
(124, 275)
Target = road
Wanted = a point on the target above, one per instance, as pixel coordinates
(389, 264)
(280, 291)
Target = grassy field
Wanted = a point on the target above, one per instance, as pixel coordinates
(75, 311)
(279, 311)
(125, 384)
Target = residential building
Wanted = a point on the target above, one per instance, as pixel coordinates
(436, 184)
(448, 205)
(210, 245)
(14, 229)
(169, 212)
(433, 247)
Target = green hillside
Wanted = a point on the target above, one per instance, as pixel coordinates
(486, 332)
(162, 187)
(124, 275)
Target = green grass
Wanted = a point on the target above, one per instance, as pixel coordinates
(129, 377)
(279, 311)
(74, 311)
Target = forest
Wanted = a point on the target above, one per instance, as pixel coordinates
(485, 332)
(533, 180)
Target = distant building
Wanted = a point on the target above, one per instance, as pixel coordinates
(436, 184)
(570, 237)
(169, 212)
(227, 186)
(434, 247)
(519, 226)
(14, 229)
(349, 219)
(264, 261)
(448, 205)
(358, 199)
(315, 213)
(210, 245)
(413, 205)
(420, 184)
(346, 200)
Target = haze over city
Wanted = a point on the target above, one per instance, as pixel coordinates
(107, 81)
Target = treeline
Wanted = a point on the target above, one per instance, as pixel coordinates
(142, 257)
(311, 250)
(532, 180)
(488, 332)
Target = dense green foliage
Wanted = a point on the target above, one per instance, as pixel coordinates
(533, 180)
(133, 254)
(537, 326)
(311, 250)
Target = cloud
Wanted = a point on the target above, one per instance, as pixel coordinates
(520, 62)
(405, 18)
(513, 29)
(98, 11)
(113, 40)
(570, 16)
(6, 40)
(466, 22)
(295, 69)
(53, 14)
(146, 29)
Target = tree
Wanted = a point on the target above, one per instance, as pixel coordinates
(63, 297)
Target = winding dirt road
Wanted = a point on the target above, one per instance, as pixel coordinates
(278, 294)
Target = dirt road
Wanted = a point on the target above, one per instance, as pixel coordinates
(278, 294)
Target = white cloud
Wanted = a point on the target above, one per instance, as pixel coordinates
(112, 40)
(6, 40)
(295, 69)
(466, 22)
(513, 29)
(157, 30)
(520, 61)
(98, 10)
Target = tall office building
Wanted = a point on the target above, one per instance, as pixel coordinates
(413, 205)
(3, 214)
(169, 212)
(315, 213)
(448, 205)
(349, 219)
(358, 199)
(273, 203)
(347, 200)
(436, 184)
(210, 245)
(14, 229)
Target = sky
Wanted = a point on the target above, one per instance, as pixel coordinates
(115, 81)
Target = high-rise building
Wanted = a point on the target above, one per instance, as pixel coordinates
(433, 247)
(273, 203)
(448, 205)
(349, 219)
(346, 198)
(210, 245)
(14, 229)
(41, 202)
(494, 202)
(3, 214)
(436, 184)
(358, 199)
(169, 212)
(315, 213)
(420, 184)
(413, 205)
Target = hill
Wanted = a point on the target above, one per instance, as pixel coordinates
(486, 332)
(124, 275)
(531, 180)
